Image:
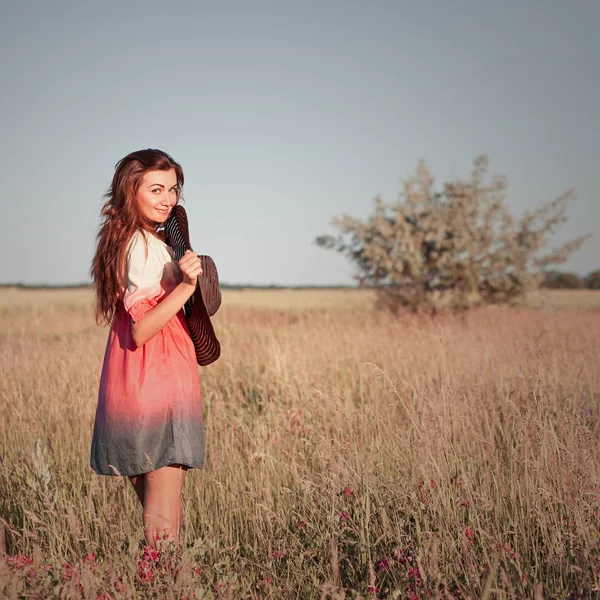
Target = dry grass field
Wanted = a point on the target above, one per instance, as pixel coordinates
(313, 299)
(349, 454)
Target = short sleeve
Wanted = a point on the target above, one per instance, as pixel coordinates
(144, 272)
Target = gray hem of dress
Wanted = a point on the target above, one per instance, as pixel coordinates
(189, 465)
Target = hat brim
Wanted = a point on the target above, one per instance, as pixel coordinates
(206, 299)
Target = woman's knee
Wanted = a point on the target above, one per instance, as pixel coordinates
(162, 505)
(166, 482)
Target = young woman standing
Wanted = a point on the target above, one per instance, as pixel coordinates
(149, 424)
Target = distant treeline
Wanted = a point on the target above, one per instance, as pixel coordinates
(556, 280)
(562, 280)
(45, 286)
(223, 286)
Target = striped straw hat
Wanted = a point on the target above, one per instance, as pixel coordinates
(206, 299)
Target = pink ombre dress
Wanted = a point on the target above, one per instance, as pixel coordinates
(149, 411)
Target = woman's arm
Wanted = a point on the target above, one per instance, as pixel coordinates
(158, 316)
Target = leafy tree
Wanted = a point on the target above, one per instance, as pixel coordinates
(593, 280)
(558, 280)
(459, 247)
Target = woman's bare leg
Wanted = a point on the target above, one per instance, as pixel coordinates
(139, 485)
(163, 508)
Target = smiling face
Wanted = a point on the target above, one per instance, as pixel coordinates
(157, 195)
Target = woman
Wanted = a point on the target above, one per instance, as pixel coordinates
(149, 424)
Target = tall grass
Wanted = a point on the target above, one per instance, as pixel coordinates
(348, 455)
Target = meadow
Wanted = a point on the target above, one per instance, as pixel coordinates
(349, 454)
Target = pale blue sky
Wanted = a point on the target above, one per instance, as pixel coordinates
(285, 114)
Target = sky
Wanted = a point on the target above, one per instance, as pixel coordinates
(286, 114)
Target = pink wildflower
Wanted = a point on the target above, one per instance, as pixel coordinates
(402, 556)
(23, 564)
(382, 565)
(145, 571)
(89, 561)
(70, 572)
(118, 585)
(151, 554)
(18, 561)
(301, 525)
(149, 561)
(509, 550)
(414, 578)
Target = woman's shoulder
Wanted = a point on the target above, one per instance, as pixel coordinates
(143, 239)
(142, 247)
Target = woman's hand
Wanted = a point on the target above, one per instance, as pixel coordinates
(158, 316)
(190, 267)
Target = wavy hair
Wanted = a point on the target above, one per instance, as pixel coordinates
(121, 218)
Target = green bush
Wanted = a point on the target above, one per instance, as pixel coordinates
(556, 280)
(593, 280)
(459, 247)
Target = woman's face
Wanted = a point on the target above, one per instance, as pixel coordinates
(157, 195)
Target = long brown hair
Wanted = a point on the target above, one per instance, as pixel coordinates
(121, 218)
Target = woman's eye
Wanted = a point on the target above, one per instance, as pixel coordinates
(156, 190)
